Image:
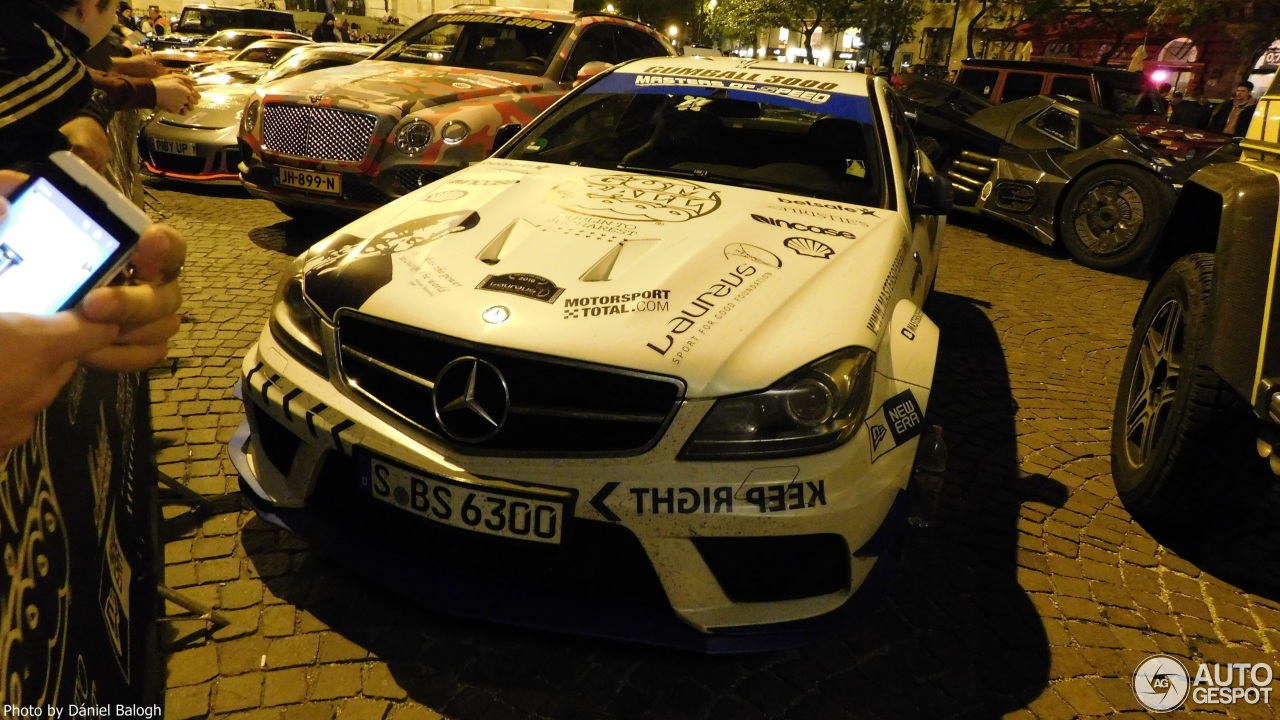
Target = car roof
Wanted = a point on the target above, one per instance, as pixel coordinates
(1044, 66)
(848, 83)
(538, 13)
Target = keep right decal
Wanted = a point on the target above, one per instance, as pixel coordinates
(894, 423)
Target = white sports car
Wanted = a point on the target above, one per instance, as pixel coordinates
(656, 370)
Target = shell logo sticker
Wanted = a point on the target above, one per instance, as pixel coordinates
(810, 247)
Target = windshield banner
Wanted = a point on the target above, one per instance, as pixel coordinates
(785, 90)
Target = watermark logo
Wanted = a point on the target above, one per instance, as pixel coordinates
(1161, 683)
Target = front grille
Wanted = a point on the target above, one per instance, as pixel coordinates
(320, 133)
(557, 408)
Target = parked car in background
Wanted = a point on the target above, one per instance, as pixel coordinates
(222, 46)
(656, 371)
(201, 145)
(1118, 91)
(425, 105)
(199, 22)
(1058, 169)
(1200, 387)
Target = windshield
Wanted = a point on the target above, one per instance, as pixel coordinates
(823, 146)
(308, 62)
(481, 42)
(264, 53)
(234, 39)
(206, 20)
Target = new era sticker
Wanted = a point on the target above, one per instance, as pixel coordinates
(894, 423)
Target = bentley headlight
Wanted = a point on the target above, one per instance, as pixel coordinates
(294, 323)
(812, 410)
(249, 119)
(414, 136)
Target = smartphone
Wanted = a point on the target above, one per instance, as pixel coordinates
(67, 232)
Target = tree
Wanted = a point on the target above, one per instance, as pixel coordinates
(1115, 18)
(886, 25)
(746, 18)
(999, 13)
(1254, 24)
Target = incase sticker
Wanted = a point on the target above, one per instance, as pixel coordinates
(896, 422)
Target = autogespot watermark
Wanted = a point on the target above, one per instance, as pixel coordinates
(1162, 683)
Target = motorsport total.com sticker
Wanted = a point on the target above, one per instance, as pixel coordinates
(1162, 684)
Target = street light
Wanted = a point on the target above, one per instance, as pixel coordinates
(673, 31)
(610, 9)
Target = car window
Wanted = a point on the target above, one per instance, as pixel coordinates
(596, 44)
(982, 82)
(906, 141)
(1018, 85)
(634, 44)
(1121, 92)
(1059, 125)
(1072, 86)
(521, 45)
(751, 139)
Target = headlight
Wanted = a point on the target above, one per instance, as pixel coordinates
(811, 410)
(249, 119)
(454, 132)
(414, 137)
(294, 323)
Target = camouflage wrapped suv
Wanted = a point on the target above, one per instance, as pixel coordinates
(426, 104)
(1200, 387)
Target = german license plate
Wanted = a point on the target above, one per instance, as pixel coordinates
(173, 147)
(505, 513)
(318, 182)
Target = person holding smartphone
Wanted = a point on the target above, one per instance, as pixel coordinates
(123, 328)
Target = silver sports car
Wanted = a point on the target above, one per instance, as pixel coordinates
(201, 145)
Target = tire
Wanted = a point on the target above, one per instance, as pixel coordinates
(1180, 437)
(1112, 215)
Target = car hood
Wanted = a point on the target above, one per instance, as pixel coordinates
(219, 107)
(727, 288)
(399, 88)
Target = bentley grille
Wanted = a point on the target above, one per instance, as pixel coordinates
(317, 132)
(552, 407)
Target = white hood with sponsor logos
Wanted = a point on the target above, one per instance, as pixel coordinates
(727, 288)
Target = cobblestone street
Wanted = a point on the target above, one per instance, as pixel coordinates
(1033, 594)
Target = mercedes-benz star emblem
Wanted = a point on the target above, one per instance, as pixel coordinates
(496, 315)
(471, 400)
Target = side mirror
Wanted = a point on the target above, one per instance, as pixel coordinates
(932, 193)
(590, 70)
(504, 133)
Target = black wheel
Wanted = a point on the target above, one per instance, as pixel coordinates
(1177, 428)
(1112, 215)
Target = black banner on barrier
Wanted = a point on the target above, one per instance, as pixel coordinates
(78, 533)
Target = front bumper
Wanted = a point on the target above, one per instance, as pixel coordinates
(216, 159)
(624, 569)
(361, 191)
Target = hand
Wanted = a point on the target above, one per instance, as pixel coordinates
(146, 313)
(176, 93)
(88, 140)
(142, 66)
(39, 354)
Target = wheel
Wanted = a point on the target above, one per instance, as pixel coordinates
(1112, 215)
(1177, 428)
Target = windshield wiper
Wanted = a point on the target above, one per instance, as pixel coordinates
(655, 171)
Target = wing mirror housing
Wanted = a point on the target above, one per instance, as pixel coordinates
(932, 193)
(504, 133)
(590, 70)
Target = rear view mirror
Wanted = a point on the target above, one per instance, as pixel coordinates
(590, 70)
(933, 193)
(504, 133)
